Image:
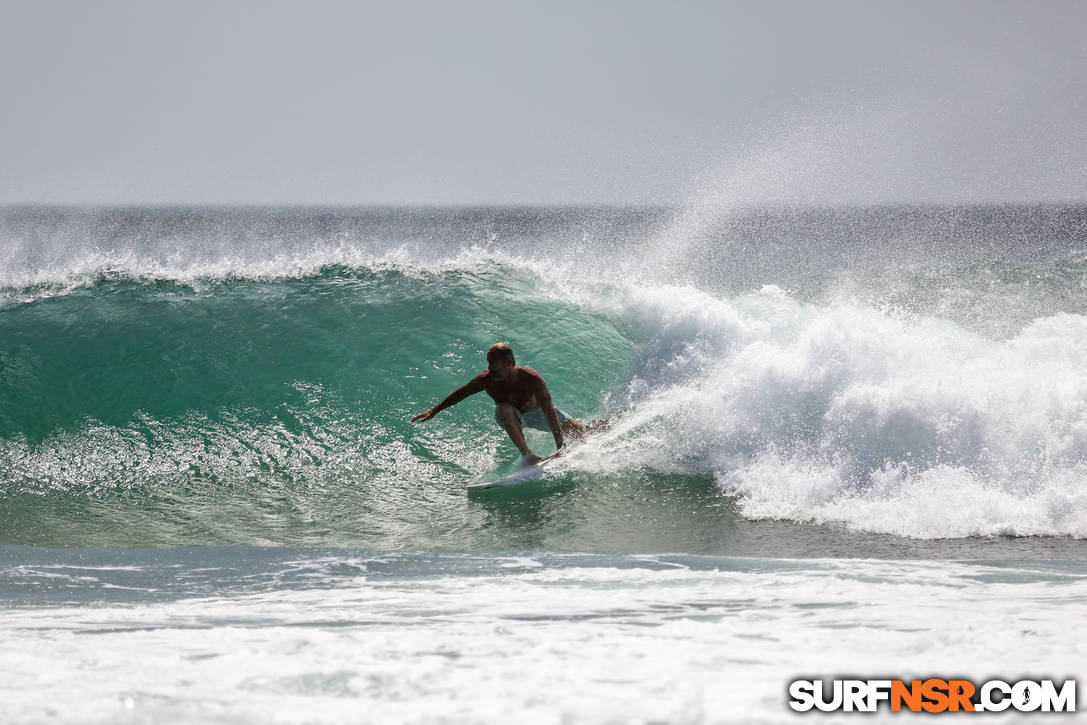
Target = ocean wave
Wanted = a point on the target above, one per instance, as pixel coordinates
(292, 366)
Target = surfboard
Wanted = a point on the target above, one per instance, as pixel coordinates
(524, 475)
(533, 472)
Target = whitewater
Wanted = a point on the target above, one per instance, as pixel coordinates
(844, 440)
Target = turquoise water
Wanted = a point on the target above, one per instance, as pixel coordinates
(278, 409)
(841, 439)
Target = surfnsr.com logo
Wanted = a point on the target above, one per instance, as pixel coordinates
(932, 695)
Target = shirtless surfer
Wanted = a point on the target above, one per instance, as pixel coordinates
(522, 398)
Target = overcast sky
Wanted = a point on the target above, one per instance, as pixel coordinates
(464, 102)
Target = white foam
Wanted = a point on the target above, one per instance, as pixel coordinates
(841, 412)
(547, 644)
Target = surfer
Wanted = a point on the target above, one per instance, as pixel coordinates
(521, 397)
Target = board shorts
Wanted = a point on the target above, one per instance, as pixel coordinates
(535, 418)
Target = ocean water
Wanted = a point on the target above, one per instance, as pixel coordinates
(844, 440)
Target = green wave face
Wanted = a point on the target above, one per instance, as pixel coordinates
(269, 410)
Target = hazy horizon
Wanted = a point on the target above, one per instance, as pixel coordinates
(488, 104)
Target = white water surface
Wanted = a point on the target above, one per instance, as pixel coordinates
(526, 638)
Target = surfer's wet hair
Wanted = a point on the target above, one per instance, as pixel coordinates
(503, 349)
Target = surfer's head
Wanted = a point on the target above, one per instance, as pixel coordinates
(501, 349)
(500, 359)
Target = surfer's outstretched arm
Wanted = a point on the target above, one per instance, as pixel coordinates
(474, 386)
